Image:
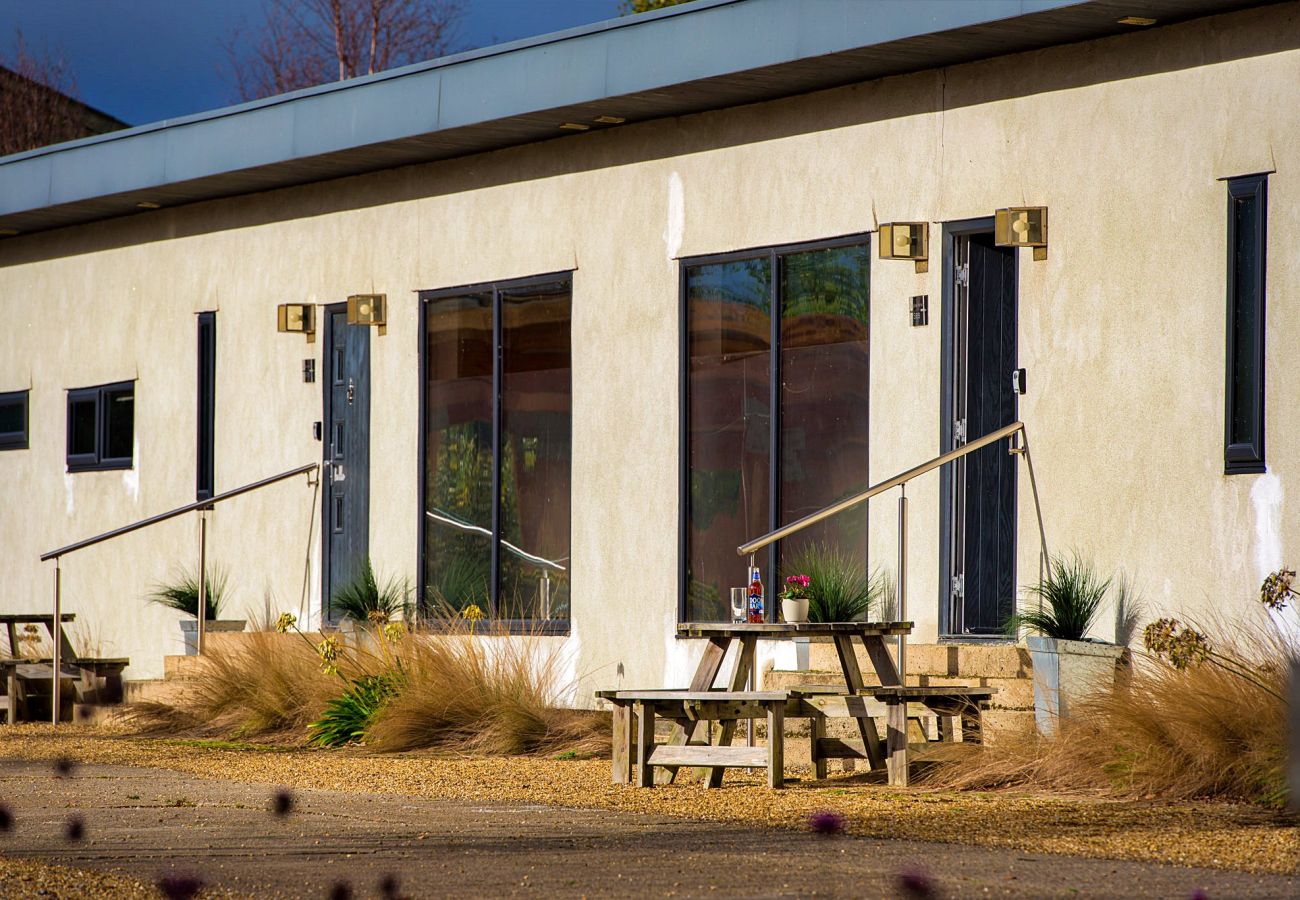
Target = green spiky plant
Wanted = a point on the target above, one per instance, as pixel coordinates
(840, 589)
(183, 594)
(347, 717)
(1071, 598)
(363, 594)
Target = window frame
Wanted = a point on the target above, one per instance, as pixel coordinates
(774, 253)
(1245, 457)
(495, 289)
(17, 440)
(205, 407)
(96, 461)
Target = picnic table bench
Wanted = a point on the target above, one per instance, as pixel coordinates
(88, 679)
(953, 709)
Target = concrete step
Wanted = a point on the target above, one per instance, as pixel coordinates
(181, 667)
(1013, 693)
(155, 690)
(968, 660)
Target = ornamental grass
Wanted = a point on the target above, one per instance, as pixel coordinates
(1200, 714)
(461, 685)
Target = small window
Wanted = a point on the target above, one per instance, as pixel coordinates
(1244, 414)
(101, 427)
(204, 474)
(13, 420)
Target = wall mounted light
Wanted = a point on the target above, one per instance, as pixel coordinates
(906, 240)
(297, 318)
(1022, 226)
(369, 309)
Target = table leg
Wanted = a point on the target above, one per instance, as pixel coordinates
(739, 676)
(12, 687)
(624, 746)
(645, 743)
(897, 743)
(817, 730)
(705, 674)
(881, 661)
(853, 680)
(776, 745)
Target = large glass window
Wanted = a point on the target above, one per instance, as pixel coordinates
(498, 434)
(809, 364)
(101, 427)
(1244, 417)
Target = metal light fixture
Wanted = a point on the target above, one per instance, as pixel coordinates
(297, 318)
(1022, 226)
(368, 309)
(906, 240)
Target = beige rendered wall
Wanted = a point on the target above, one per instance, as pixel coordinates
(1121, 330)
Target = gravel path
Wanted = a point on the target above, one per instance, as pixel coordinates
(142, 824)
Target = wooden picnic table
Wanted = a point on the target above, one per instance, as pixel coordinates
(722, 635)
(92, 680)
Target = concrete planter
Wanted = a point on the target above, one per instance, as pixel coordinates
(1067, 671)
(190, 631)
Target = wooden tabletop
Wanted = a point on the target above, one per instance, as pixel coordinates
(35, 618)
(790, 629)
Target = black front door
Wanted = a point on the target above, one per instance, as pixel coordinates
(346, 511)
(981, 487)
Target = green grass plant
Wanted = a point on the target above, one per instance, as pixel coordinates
(840, 588)
(363, 595)
(1072, 596)
(183, 594)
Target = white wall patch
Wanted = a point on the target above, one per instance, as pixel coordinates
(1266, 499)
(676, 226)
(131, 476)
(69, 494)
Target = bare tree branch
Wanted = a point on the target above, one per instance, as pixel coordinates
(308, 42)
(38, 104)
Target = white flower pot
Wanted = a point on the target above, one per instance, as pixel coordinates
(1066, 672)
(795, 610)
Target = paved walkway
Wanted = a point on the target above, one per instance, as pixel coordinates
(150, 822)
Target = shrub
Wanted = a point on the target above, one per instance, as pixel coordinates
(363, 596)
(183, 594)
(839, 588)
(347, 716)
(1072, 596)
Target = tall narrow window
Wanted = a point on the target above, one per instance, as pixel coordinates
(776, 413)
(206, 406)
(13, 420)
(497, 449)
(101, 427)
(1247, 241)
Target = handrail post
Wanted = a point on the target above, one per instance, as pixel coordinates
(203, 578)
(902, 580)
(55, 633)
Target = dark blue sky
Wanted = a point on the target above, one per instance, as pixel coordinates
(145, 60)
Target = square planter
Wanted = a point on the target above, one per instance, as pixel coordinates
(1067, 671)
(190, 631)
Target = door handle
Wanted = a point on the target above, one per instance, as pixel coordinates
(337, 473)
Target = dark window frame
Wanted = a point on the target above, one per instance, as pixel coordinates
(1245, 457)
(17, 440)
(97, 461)
(205, 407)
(774, 253)
(495, 288)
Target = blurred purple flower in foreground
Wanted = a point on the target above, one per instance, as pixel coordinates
(179, 887)
(826, 822)
(914, 881)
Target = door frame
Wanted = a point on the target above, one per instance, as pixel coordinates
(329, 310)
(951, 231)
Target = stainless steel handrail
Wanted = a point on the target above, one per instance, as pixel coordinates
(199, 506)
(900, 481)
(178, 511)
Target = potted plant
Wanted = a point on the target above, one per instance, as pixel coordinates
(839, 588)
(362, 602)
(794, 599)
(1068, 665)
(183, 595)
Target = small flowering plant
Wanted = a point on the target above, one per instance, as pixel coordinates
(796, 587)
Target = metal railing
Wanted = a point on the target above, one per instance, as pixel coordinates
(199, 506)
(900, 481)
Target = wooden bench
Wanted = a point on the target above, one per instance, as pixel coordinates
(952, 710)
(89, 679)
(636, 754)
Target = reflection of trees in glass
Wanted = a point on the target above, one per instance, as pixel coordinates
(828, 282)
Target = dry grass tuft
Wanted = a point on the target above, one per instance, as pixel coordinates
(1203, 731)
(486, 692)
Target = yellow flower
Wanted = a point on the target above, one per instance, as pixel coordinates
(285, 622)
(328, 651)
(377, 617)
(394, 632)
(473, 613)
